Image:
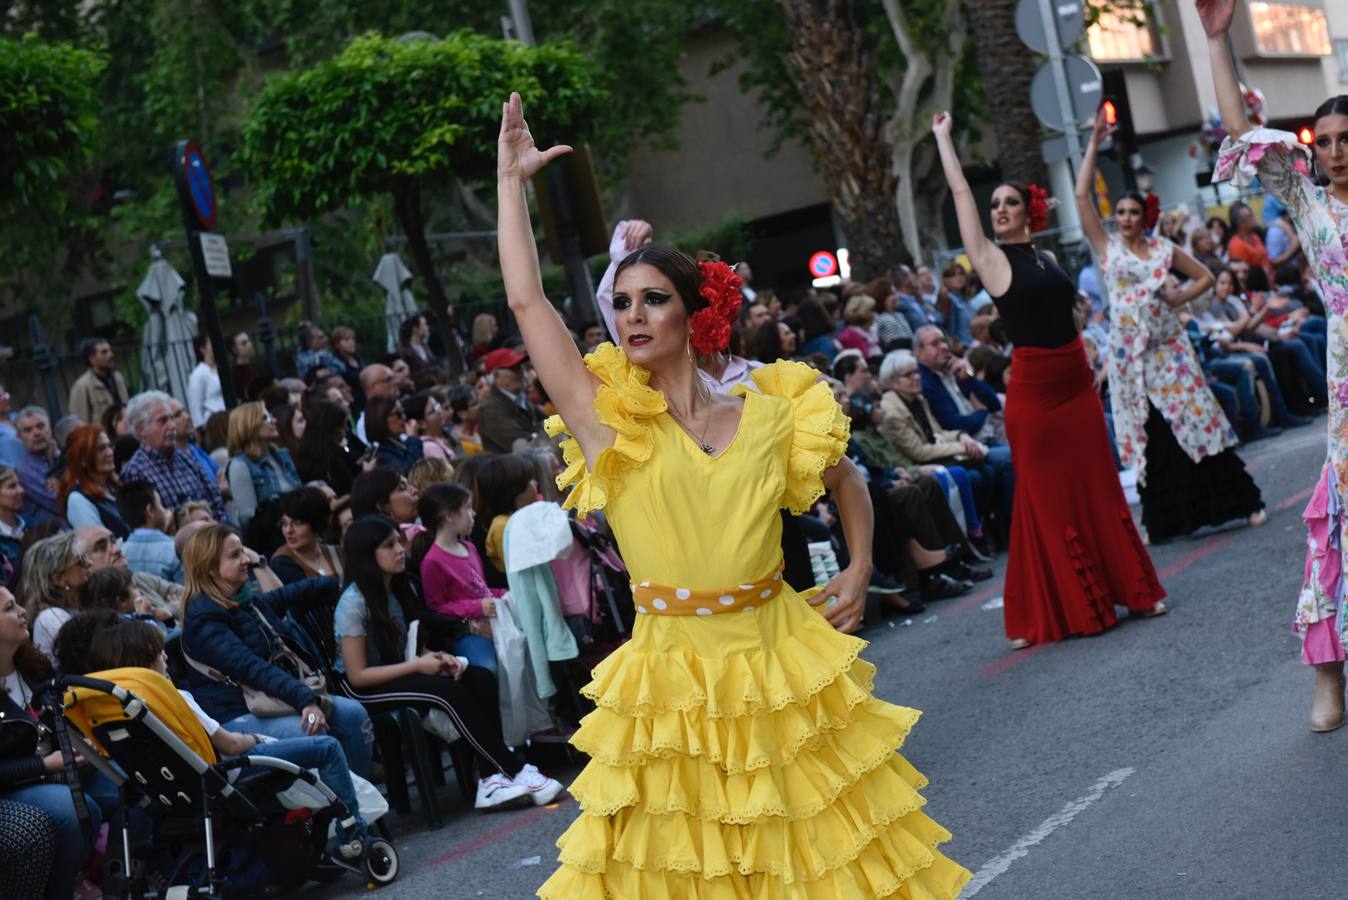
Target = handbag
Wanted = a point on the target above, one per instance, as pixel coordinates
(263, 705)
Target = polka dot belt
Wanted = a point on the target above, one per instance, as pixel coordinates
(671, 600)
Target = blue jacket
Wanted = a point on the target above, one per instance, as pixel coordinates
(398, 454)
(912, 309)
(233, 642)
(943, 405)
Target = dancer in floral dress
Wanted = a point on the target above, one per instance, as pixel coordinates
(1167, 423)
(1320, 214)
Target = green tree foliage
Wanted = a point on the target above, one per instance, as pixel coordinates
(48, 120)
(402, 118)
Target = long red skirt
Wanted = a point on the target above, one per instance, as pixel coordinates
(1075, 552)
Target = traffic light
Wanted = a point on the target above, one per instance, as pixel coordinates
(1306, 135)
(1116, 98)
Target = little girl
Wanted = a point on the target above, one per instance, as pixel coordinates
(115, 589)
(452, 578)
(505, 484)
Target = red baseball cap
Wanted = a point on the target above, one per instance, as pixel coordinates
(502, 358)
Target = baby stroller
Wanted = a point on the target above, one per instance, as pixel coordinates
(214, 838)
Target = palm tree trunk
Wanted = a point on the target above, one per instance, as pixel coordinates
(1007, 66)
(834, 71)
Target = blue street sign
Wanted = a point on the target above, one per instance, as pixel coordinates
(200, 185)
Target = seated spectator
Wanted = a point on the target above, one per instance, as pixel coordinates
(891, 327)
(12, 525)
(462, 403)
(386, 428)
(384, 492)
(371, 625)
(817, 326)
(232, 629)
(259, 470)
(770, 342)
(485, 332)
(506, 418)
(149, 548)
(290, 425)
(304, 520)
(851, 370)
(176, 474)
(189, 512)
(910, 304)
(114, 421)
(102, 551)
(53, 572)
(959, 401)
(427, 472)
(88, 487)
(115, 589)
(328, 451)
(504, 484)
(991, 366)
(26, 762)
(311, 350)
(860, 333)
(453, 579)
(344, 351)
(952, 302)
(426, 423)
(39, 459)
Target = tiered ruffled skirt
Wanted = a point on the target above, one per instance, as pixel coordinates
(741, 756)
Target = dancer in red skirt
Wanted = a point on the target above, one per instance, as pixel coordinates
(1075, 552)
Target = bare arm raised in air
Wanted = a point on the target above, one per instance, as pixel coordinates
(554, 355)
(1216, 16)
(991, 264)
(1086, 209)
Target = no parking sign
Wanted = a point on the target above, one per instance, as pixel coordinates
(823, 264)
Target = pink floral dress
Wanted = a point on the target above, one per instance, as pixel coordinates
(1151, 361)
(1282, 166)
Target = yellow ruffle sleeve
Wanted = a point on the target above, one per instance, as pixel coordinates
(625, 403)
(820, 429)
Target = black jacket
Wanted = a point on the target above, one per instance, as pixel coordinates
(19, 763)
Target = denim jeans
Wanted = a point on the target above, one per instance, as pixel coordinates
(997, 466)
(1314, 333)
(479, 651)
(1227, 399)
(349, 723)
(1237, 376)
(320, 752)
(959, 476)
(73, 845)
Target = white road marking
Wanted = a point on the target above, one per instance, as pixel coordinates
(998, 865)
(994, 603)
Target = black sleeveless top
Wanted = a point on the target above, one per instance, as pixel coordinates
(1037, 307)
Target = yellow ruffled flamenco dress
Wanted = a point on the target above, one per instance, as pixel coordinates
(736, 750)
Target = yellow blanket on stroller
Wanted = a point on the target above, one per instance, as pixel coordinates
(89, 708)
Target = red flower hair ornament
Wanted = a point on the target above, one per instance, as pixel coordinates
(1039, 207)
(709, 327)
(1151, 211)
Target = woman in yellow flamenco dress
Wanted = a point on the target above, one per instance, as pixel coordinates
(736, 750)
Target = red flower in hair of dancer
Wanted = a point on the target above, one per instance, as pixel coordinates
(1038, 208)
(710, 326)
(1152, 211)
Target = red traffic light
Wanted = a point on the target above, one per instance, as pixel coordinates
(1111, 113)
(1306, 135)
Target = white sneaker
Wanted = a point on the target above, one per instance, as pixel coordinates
(499, 791)
(541, 788)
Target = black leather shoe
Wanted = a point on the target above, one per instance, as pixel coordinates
(899, 604)
(939, 586)
(964, 572)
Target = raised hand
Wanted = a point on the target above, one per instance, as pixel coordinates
(941, 123)
(516, 154)
(1215, 15)
(1103, 129)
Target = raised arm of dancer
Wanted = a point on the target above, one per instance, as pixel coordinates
(849, 491)
(553, 353)
(991, 264)
(1200, 279)
(1086, 209)
(1216, 17)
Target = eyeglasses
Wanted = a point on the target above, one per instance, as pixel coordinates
(909, 374)
(268, 418)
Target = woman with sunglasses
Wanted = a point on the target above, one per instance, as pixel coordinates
(54, 570)
(386, 426)
(259, 468)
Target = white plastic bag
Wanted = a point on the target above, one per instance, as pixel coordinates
(301, 795)
(522, 713)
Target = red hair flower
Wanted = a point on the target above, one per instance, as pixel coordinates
(1152, 211)
(710, 326)
(1038, 208)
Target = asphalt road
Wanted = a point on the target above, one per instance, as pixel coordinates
(1168, 758)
